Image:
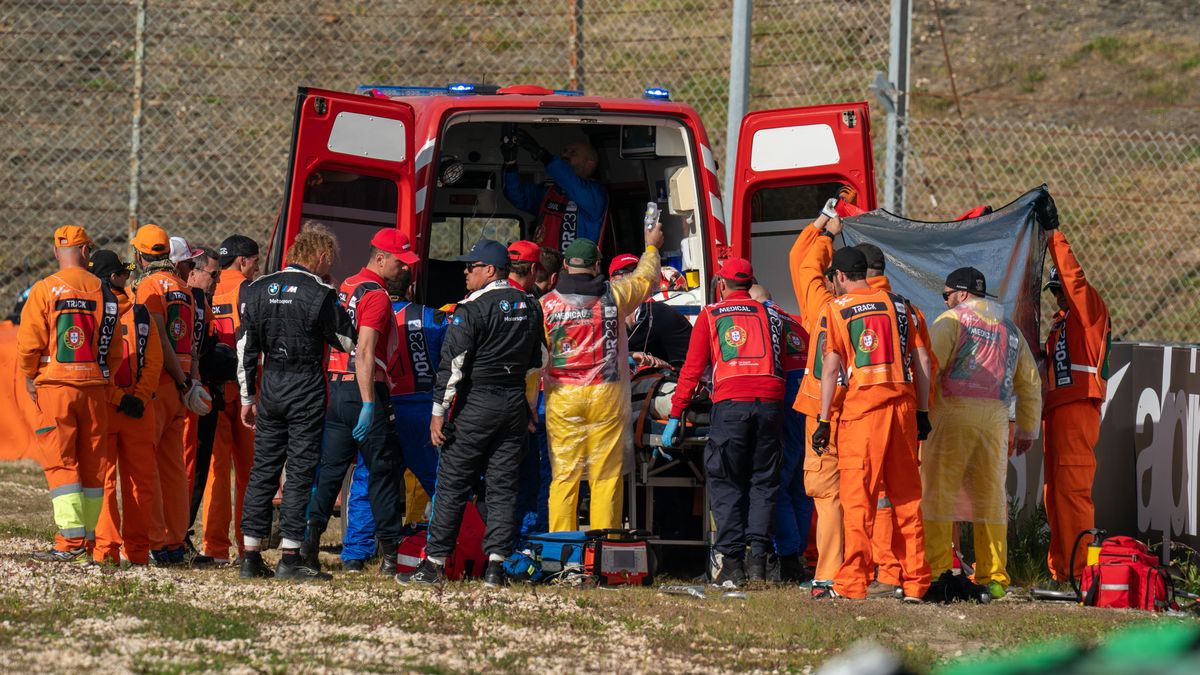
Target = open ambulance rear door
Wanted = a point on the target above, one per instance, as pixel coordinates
(350, 168)
(789, 162)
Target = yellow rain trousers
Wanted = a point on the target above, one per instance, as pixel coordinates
(587, 393)
(964, 463)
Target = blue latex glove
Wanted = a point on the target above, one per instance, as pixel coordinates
(669, 431)
(364, 421)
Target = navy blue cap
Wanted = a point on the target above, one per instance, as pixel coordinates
(489, 252)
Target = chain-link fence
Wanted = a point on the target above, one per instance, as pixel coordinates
(1127, 201)
(122, 112)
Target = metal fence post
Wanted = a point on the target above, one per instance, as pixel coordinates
(739, 93)
(576, 77)
(135, 133)
(898, 77)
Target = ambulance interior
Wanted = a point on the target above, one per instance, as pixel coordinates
(641, 159)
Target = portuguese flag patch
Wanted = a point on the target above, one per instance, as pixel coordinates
(75, 331)
(730, 336)
(872, 339)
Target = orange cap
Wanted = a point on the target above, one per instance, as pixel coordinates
(151, 240)
(71, 235)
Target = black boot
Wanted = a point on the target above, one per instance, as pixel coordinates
(292, 566)
(310, 548)
(494, 576)
(756, 567)
(427, 574)
(727, 572)
(774, 572)
(791, 569)
(253, 566)
(387, 558)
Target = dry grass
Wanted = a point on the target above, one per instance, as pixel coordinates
(58, 618)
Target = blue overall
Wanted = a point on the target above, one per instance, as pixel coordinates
(412, 415)
(793, 508)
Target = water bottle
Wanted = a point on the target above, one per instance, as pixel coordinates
(650, 219)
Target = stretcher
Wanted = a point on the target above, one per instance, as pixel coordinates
(666, 490)
(651, 392)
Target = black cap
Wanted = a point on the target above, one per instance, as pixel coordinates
(848, 260)
(236, 245)
(487, 251)
(1054, 283)
(105, 262)
(874, 256)
(968, 279)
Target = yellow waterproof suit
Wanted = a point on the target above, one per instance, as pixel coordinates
(965, 460)
(587, 389)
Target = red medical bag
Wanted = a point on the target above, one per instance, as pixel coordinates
(468, 559)
(1127, 576)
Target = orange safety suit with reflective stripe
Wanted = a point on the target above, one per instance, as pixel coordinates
(162, 292)
(887, 566)
(807, 261)
(874, 334)
(134, 527)
(65, 345)
(1076, 380)
(234, 447)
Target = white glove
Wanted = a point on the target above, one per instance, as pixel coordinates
(197, 399)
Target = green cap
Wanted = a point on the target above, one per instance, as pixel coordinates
(582, 253)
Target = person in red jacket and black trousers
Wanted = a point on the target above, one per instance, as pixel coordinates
(743, 341)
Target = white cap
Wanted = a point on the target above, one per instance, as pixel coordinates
(181, 250)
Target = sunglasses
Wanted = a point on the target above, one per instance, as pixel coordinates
(471, 266)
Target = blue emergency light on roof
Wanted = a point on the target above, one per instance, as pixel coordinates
(657, 94)
(454, 89)
(391, 90)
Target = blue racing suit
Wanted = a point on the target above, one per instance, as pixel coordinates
(411, 373)
(533, 488)
(581, 217)
(793, 506)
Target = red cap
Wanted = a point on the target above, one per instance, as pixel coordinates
(396, 242)
(737, 269)
(621, 262)
(525, 251)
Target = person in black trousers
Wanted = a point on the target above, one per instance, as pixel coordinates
(493, 350)
(289, 317)
(360, 419)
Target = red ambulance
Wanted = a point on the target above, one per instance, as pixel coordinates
(427, 160)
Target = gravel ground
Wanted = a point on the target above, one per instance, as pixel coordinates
(68, 618)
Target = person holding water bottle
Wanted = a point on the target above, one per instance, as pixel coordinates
(587, 378)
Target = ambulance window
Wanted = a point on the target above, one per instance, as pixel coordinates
(776, 217)
(791, 202)
(451, 236)
(344, 190)
(353, 206)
